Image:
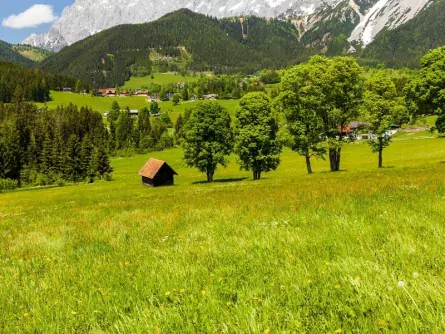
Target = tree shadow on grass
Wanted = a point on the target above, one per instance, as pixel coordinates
(222, 180)
(341, 171)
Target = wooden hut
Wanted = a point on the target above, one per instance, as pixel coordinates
(157, 173)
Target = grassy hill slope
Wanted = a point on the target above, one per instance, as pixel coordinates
(33, 53)
(7, 53)
(355, 251)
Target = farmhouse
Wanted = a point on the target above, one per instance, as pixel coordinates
(157, 173)
(107, 92)
(134, 113)
(140, 92)
(211, 97)
(125, 93)
(67, 90)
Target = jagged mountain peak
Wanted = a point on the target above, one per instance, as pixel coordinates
(86, 17)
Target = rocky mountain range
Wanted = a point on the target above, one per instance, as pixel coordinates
(359, 20)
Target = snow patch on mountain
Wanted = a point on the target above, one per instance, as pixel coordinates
(385, 14)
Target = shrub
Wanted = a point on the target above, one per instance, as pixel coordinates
(8, 184)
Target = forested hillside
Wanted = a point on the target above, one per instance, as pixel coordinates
(20, 83)
(405, 45)
(7, 53)
(224, 46)
(276, 40)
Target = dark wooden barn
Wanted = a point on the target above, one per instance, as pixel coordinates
(157, 173)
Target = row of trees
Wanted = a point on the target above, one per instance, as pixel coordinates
(320, 98)
(40, 147)
(209, 137)
(317, 101)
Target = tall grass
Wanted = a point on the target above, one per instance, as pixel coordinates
(357, 251)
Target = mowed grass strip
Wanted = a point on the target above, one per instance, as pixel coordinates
(359, 250)
(158, 79)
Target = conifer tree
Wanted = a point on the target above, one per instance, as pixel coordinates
(124, 130)
(178, 127)
(86, 154)
(57, 155)
(100, 162)
(144, 127)
(185, 93)
(72, 160)
(112, 137)
(46, 155)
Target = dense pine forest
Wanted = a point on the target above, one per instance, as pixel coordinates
(33, 85)
(41, 147)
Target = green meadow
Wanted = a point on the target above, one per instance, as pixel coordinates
(100, 104)
(158, 79)
(358, 251)
(103, 104)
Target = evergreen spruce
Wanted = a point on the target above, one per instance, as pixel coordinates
(72, 160)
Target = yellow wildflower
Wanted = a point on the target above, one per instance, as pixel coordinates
(167, 293)
(73, 313)
(338, 330)
(203, 292)
(229, 303)
(382, 323)
(267, 331)
(337, 286)
(26, 315)
(309, 281)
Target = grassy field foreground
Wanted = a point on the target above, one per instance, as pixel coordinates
(359, 251)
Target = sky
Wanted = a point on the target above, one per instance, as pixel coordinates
(20, 18)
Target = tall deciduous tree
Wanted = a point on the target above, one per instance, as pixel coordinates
(256, 142)
(300, 102)
(342, 88)
(379, 108)
(425, 94)
(208, 138)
